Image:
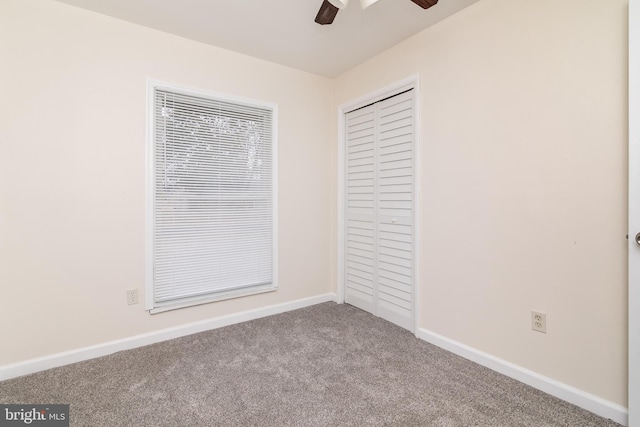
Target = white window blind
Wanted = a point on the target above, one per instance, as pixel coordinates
(213, 198)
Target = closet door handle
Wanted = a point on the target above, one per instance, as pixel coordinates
(638, 239)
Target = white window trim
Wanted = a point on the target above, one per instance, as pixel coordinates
(150, 199)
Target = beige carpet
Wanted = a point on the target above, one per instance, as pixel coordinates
(326, 365)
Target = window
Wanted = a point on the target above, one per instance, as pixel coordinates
(211, 232)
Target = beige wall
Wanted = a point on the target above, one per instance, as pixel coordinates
(523, 181)
(72, 173)
(523, 177)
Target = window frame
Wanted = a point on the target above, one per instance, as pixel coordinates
(152, 86)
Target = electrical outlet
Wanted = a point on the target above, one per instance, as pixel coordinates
(132, 296)
(539, 321)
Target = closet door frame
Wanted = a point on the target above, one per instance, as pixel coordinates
(408, 83)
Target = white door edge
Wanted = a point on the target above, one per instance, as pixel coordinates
(634, 214)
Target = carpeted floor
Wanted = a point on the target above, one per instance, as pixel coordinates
(326, 365)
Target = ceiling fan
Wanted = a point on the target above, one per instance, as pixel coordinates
(329, 8)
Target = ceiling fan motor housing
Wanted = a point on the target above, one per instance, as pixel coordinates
(425, 4)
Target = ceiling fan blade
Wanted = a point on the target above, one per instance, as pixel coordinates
(425, 4)
(327, 13)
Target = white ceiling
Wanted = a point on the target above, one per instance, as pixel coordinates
(284, 31)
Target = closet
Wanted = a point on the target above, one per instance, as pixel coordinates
(379, 208)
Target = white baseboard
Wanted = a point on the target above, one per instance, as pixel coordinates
(60, 359)
(580, 398)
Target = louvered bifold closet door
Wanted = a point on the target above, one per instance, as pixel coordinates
(379, 233)
(360, 209)
(394, 217)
